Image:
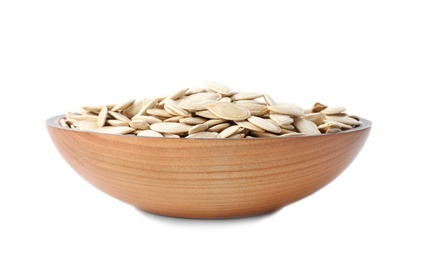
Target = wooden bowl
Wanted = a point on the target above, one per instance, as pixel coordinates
(208, 178)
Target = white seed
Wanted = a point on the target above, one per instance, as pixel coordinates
(333, 130)
(218, 128)
(192, 120)
(333, 110)
(158, 112)
(217, 87)
(119, 116)
(207, 114)
(287, 109)
(174, 119)
(102, 116)
(174, 96)
(197, 128)
(115, 122)
(173, 108)
(203, 135)
(170, 127)
(229, 111)
(264, 124)
(139, 124)
(281, 120)
(132, 110)
(199, 101)
(344, 119)
(191, 91)
(250, 126)
(227, 132)
(316, 118)
(148, 119)
(123, 105)
(171, 135)
(85, 125)
(149, 133)
(213, 122)
(255, 108)
(149, 105)
(269, 100)
(63, 123)
(306, 127)
(120, 130)
(246, 96)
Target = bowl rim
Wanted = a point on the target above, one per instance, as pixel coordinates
(54, 122)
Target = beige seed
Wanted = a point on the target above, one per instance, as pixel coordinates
(89, 117)
(269, 100)
(123, 105)
(175, 119)
(197, 128)
(250, 126)
(199, 101)
(139, 124)
(213, 122)
(227, 132)
(73, 116)
(148, 119)
(237, 136)
(94, 109)
(171, 135)
(149, 133)
(229, 111)
(287, 109)
(119, 116)
(170, 127)
(333, 110)
(207, 114)
(337, 124)
(255, 108)
(225, 99)
(63, 123)
(306, 127)
(149, 105)
(246, 96)
(120, 130)
(333, 130)
(132, 110)
(291, 134)
(86, 125)
(281, 120)
(218, 128)
(158, 112)
(115, 122)
(192, 120)
(345, 120)
(173, 108)
(217, 87)
(174, 96)
(316, 118)
(102, 116)
(191, 91)
(203, 135)
(264, 124)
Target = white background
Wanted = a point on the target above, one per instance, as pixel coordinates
(370, 56)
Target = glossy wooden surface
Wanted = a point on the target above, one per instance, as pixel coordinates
(218, 178)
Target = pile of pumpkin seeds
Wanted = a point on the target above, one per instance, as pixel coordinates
(212, 111)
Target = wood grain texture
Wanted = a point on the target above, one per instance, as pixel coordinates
(208, 178)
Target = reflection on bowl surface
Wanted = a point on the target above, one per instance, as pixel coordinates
(208, 178)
